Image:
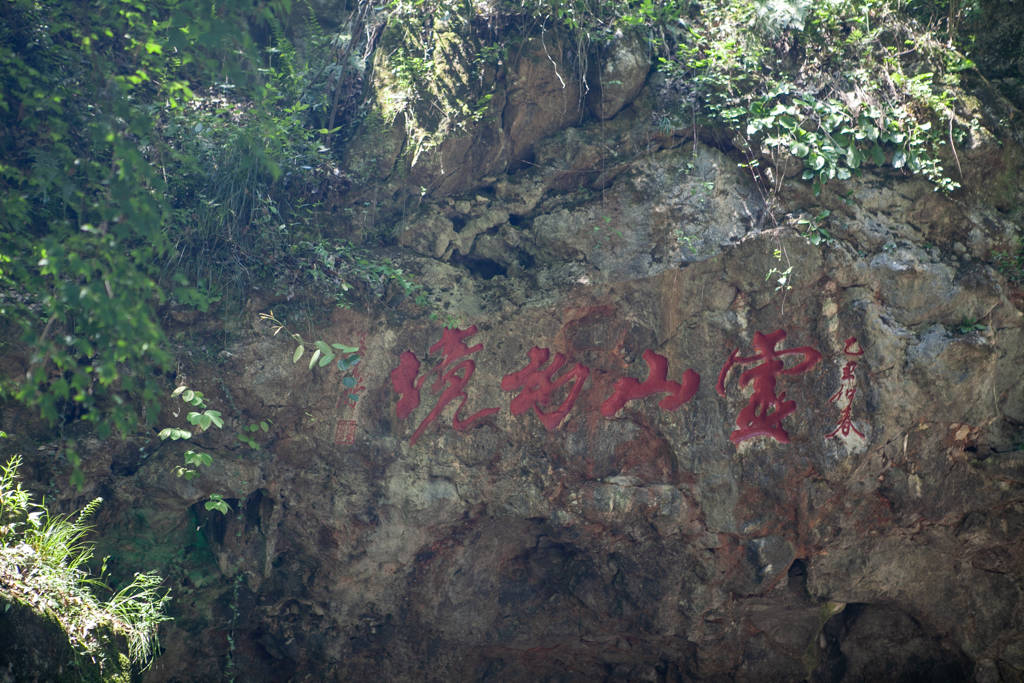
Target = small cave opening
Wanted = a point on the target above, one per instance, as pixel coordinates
(258, 507)
(458, 223)
(797, 577)
(866, 642)
(515, 219)
(481, 267)
(525, 259)
(213, 522)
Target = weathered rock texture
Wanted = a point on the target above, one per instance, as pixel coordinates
(872, 528)
(644, 545)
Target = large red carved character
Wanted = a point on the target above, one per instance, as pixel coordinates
(763, 414)
(537, 387)
(450, 383)
(628, 389)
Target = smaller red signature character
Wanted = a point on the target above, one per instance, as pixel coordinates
(351, 386)
(537, 387)
(450, 381)
(763, 414)
(843, 398)
(345, 432)
(628, 389)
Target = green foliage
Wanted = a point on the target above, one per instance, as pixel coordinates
(783, 276)
(202, 419)
(813, 229)
(1010, 261)
(263, 426)
(81, 219)
(242, 169)
(832, 85)
(969, 325)
(835, 85)
(43, 562)
(121, 189)
(217, 503)
(323, 354)
(338, 270)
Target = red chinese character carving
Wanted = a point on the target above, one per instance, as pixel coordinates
(538, 387)
(345, 432)
(628, 389)
(450, 382)
(763, 414)
(843, 398)
(403, 379)
(852, 348)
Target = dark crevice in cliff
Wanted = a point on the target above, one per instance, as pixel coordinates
(484, 268)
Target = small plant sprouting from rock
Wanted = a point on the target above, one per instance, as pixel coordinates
(323, 353)
(783, 276)
(813, 228)
(1010, 261)
(253, 428)
(217, 503)
(201, 421)
(969, 325)
(687, 241)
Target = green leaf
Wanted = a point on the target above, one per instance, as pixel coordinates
(322, 346)
(326, 360)
(817, 162)
(215, 417)
(197, 458)
(217, 503)
(299, 350)
(205, 421)
(899, 158)
(193, 417)
(178, 390)
(174, 434)
(854, 157)
(314, 359)
(188, 395)
(800, 149)
(345, 349)
(878, 155)
(264, 426)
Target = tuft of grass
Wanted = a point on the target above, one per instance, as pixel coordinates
(43, 565)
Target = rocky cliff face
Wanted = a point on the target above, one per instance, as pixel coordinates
(667, 427)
